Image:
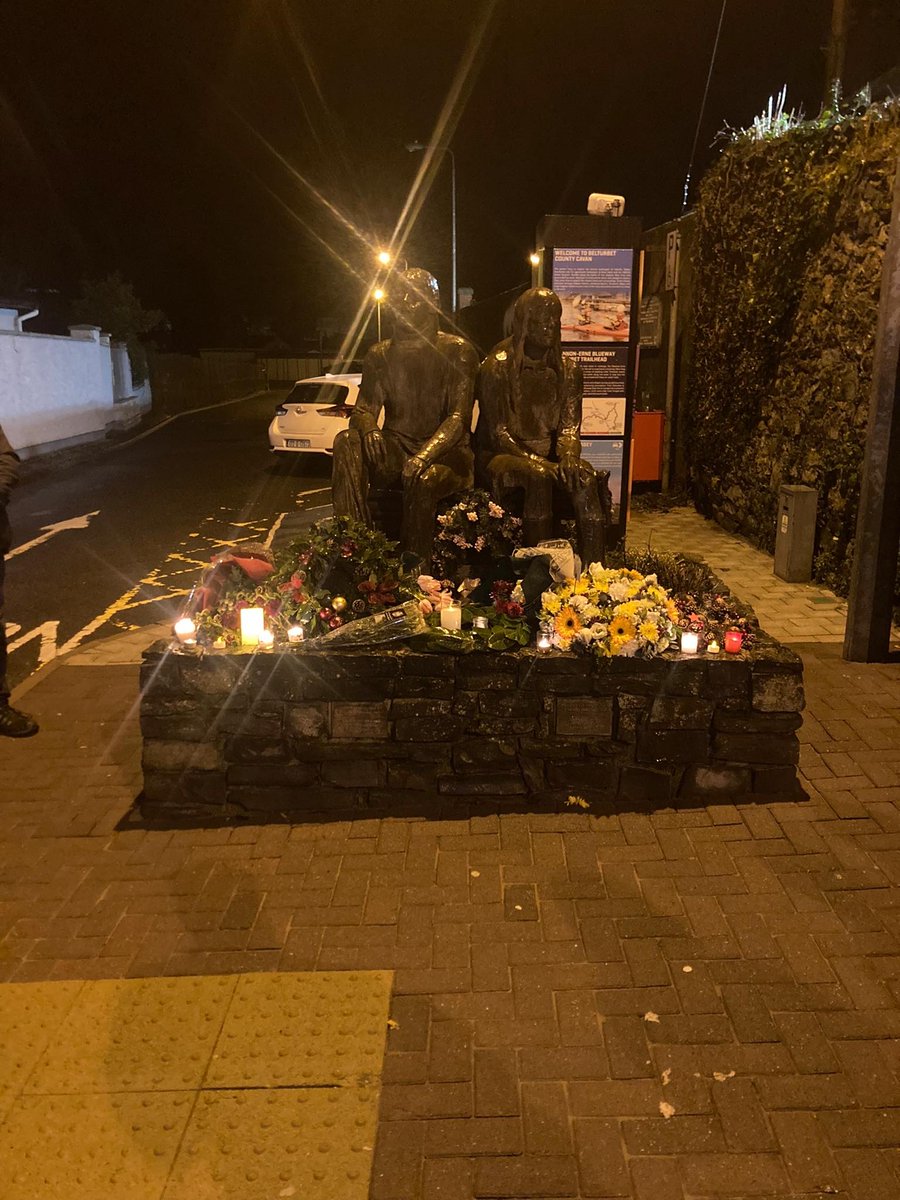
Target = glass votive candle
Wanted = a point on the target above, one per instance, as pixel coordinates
(689, 642)
(186, 631)
(451, 617)
(712, 646)
(480, 622)
(734, 640)
(253, 625)
(295, 635)
(544, 644)
(266, 639)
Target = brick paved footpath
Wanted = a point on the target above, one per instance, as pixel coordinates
(528, 951)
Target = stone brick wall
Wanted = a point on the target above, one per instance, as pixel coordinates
(274, 736)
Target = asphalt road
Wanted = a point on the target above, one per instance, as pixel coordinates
(164, 504)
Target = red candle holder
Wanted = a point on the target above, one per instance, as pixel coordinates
(734, 640)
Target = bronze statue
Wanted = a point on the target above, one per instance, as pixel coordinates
(529, 427)
(423, 380)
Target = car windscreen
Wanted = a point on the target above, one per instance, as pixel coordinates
(319, 394)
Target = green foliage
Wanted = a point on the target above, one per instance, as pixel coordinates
(677, 573)
(112, 304)
(790, 240)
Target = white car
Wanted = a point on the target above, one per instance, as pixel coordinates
(314, 413)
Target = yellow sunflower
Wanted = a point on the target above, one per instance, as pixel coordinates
(567, 622)
(621, 628)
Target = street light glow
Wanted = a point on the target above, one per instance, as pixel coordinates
(534, 259)
(378, 295)
(384, 258)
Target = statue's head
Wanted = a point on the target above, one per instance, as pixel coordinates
(536, 318)
(416, 302)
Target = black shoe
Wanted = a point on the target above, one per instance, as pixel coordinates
(16, 724)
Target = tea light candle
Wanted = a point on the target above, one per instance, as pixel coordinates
(734, 640)
(186, 631)
(689, 642)
(544, 644)
(713, 647)
(296, 634)
(252, 625)
(480, 622)
(266, 639)
(451, 617)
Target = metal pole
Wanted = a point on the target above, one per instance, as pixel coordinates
(837, 49)
(378, 307)
(868, 634)
(453, 227)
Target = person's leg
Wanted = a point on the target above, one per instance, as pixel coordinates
(4, 687)
(350, 478)
(12, 722)
(421, 497)
(589, 517)
(509, 472)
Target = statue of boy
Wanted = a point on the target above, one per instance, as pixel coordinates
(424, 380)
(529, 427)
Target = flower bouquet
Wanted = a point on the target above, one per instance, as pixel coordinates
(476, 528)
(611, 612)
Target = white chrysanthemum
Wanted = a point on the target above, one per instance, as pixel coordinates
(618, 590)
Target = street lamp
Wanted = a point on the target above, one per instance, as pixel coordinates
(412, 147)
(378, 296)
(384, 258)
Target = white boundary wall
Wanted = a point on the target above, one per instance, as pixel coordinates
(58, 390)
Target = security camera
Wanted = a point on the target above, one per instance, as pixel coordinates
(601, 205)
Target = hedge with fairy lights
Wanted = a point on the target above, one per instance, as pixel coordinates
(791, 228)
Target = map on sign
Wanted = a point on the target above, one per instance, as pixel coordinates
(603, 415)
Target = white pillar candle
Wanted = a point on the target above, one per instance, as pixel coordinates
(451, 617)
(186, 631)
(252, 625)
(689, 642)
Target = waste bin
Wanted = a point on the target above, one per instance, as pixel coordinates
(795, 535)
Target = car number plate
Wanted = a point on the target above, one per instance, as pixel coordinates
(297, 443)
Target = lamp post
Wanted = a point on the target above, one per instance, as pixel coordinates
(412, 147)
(378, 296)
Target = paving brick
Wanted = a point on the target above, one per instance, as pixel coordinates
(810, 1049)
(870, 1174)
(476, 1137)
(545, 1118)
(601, 1162)
(615, 1098)
(581, 1062)
(749, 1015)
(496, 1083)
(448, 1179)
(626, 1044)
(655, 1179)
(675, 1135)
(526, 1176)
(806, 1152)
(741, 1115)
(870, 1127)
(741, 1175)
(397, 1168)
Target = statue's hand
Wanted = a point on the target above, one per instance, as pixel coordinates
(545, 468)
(375, 450)
(413, 468)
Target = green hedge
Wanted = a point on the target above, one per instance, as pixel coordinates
(790, 240)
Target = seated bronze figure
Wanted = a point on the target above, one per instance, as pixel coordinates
(529, 427)
(423, 379)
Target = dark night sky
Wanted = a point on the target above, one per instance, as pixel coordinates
(183, 143)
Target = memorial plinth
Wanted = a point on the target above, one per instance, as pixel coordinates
(271, 736)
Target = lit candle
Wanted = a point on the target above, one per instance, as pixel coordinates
(544, 643)
(480, 622)
(713, 647)
(734, 640)
(266, 639)
(296, 634)
(253, 623)
(451, 617)
(689, 642)
(186, 631)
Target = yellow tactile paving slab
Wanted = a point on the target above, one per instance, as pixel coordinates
(259, 1145)
(341, 1018)
(30, 1014)
(97, 1147)
(135, 1035)
(97, 1107)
